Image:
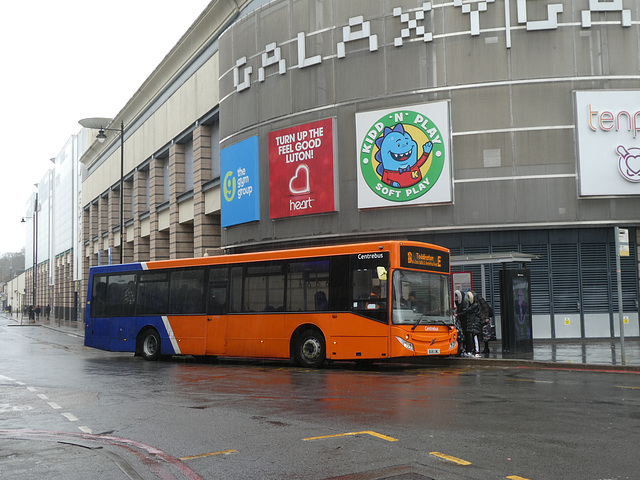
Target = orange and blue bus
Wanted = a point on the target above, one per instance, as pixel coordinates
(362, 302)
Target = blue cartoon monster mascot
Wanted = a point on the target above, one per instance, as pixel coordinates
(398, 156)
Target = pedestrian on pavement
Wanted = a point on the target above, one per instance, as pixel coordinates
(485, 313)
(460, 305)
(38, 313)
(474, 326)
(47, 310)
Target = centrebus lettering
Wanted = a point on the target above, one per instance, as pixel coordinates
(370, 256)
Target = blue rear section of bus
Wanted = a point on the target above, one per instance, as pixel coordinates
(118, 334)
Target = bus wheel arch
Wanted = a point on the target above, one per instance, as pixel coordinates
(148, 344)
(308, 347)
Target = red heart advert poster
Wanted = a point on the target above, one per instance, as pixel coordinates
(301, 170)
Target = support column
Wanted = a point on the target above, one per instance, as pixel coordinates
(206, 228)
(180, 235)
(140, 208)
(158, 239)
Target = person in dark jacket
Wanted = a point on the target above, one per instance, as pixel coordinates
(460, 304)
(474, 326)
(485, 313)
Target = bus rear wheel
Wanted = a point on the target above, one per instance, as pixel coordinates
(150, 345)
(310, 349)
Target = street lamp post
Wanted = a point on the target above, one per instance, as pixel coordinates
(100, 125)
(35, 251)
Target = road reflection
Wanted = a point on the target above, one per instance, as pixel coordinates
(392, 392)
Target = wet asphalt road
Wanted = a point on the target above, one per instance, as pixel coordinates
(67, 411)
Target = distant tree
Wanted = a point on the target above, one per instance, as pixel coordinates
(11, 265)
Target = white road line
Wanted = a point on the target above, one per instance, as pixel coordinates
(86, 429)
(42, 396)
(32, 389)
(54, 405)
(70, 416)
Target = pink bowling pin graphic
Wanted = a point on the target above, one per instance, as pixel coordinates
(629, 163)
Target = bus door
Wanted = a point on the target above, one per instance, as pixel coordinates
(217, 309)
(255, 324)
(365, 334)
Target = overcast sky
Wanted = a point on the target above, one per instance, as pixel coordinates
(64, 60)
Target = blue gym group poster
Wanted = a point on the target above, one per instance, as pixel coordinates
(240, 192)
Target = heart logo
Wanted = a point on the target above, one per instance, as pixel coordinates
(629, 163)
(299, 183)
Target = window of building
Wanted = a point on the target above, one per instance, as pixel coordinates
(215, 151)
(165, 180)
(188, 166)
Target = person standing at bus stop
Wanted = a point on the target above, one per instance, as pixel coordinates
(460, 303)
(485, 313)
(474, 326)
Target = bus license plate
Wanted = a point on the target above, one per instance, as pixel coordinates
(433, 351)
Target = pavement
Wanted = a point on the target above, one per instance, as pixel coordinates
(575, 353)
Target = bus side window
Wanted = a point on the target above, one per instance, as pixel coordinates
(153, 293)
(187, 291)
(121, 295)
(264, 287)
(218, 289)
(236, 290)
(369, 285)
(99, 296)
(307, 285)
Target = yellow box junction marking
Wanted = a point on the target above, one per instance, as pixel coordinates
(223, 452)
(623, 386)
(450, 458)
(516, 477)
(373, 434)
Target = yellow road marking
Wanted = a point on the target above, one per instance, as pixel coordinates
(622, 386)
(532, 381)
(374, 434)
(516, 477)
(450, 458)
(223, 452)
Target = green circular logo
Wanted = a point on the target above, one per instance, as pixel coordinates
(402, 156)
(229, 186)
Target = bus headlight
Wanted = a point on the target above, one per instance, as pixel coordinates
(405, 344)
(452, 345)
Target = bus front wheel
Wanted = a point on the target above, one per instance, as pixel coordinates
(150, 345)
(310, 349)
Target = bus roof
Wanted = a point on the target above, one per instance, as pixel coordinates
(338, 249)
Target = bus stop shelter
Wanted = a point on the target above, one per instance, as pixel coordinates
(515, 297)
(483, 259)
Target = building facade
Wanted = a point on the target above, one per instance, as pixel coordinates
(52, 258)
(486, 127)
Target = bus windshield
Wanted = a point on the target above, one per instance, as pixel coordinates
(421, 298)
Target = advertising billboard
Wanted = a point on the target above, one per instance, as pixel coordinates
(608, 129)
(239, 174)
(404, 156)
(301, 170)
